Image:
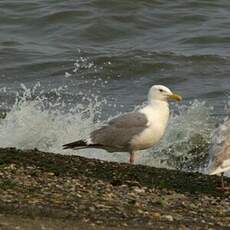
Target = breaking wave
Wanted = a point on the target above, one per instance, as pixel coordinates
(45, 121)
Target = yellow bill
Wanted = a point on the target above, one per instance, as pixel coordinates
(175, 97)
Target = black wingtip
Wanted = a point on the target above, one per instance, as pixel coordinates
(75, 144)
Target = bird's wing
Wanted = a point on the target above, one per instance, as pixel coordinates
(120, 130)
(130, 120)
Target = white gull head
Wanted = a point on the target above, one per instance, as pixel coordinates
(161, 93)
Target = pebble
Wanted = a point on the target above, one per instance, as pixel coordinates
(92, 209)
(139, 190)
(156, 215)
(167, 217)
(140, 211)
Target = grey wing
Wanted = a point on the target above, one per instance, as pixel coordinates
(129, 120)
(120, 130)
(220, 147)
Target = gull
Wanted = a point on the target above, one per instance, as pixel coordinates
(220, 152)
(133, 131)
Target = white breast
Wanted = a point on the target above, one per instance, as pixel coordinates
(157, 116)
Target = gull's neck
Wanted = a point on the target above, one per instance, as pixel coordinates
(159, 107)
(158, 103)
(157, 110)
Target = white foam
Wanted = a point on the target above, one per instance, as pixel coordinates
(35, 122)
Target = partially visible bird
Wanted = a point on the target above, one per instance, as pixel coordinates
(133, 131)
(220, 152)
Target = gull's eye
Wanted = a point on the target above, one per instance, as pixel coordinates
(161, 90)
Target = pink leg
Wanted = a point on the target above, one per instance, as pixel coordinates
(222, 181)
(223, 188)
(131, 157)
